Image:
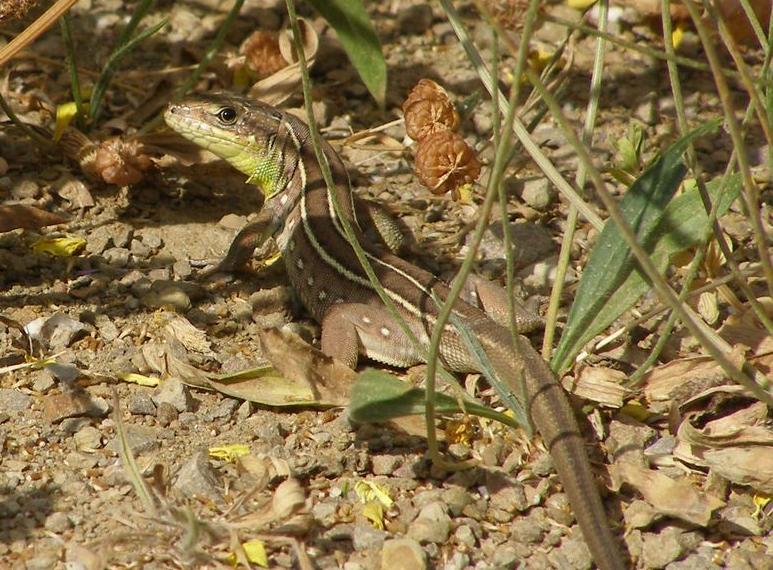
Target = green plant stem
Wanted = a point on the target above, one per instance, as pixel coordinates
(31, 133)
(571, 219)
(75, 84)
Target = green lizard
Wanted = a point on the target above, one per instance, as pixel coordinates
(274, 150)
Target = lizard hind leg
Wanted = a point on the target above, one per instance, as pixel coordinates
(350, 330)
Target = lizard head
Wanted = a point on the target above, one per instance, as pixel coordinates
(250, 135)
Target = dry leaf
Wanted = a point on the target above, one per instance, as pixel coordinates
(16, 216)
(278, 87)
(675, 498)
(598, 384)
(330, 380)
(737, 447)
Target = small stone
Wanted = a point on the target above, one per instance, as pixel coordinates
(139, 249)
(174, 392)
(43, 381)
(140, 439)
(88, 439)
(153, 241)
(107, 329)
(365, 537)
(505, 556)
(140, 403)
(167, 294)
(166, 413)
(385, 464)
(182, 269)
(432, 525)
(464, 536)
(525, 531)
(116, 256)
(197, 478)
(537, 193)
(456, 498)
(559, 509)
(225, 409)
(25, 189)
(402, 554)
(13, 400)
(57, 407)
(244, 411)
(58, 522)
(659, 550)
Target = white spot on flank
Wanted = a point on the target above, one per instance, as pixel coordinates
(299, 263)
(283, 199)
(385, 331)
(291, 245)
(322, 295)
(366, 320)
(310, 281)
(338, 301)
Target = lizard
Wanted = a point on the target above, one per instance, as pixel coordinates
(273, 149)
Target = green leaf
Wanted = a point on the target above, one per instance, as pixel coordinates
(379, 397)
(612, 282)
(355, 30)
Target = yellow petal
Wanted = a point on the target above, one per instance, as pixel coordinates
(229, 452)
(140, 379)
(374, 512)
(580, 4)
(368, 491)
(61, 247)
(65, 113)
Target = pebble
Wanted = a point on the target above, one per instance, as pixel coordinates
(166, 413)
(456, 498)
(174, 392)
(13, 400)
(88, 439)
(402, 554)
(57, 407)
(365, 537)
(415, 19)
(58, 522)
(197, 478)
(464, 536)
(140, 439)
(140, 403)
(432, 525)
(524, 530)
(116, 256)
(538, 193)
(385, 464)
(659, 550)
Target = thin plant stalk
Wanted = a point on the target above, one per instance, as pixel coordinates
(751, 190)
(75, 84)
(580, 179)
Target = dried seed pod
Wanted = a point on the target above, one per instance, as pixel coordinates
(428, 110)
(444, 162)
(117, 161)
(262, 54)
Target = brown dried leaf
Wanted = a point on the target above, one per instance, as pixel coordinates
(278, 87)
(598, 384)
(330, 380)
(675, 498)
(16, 216)
(737, 447)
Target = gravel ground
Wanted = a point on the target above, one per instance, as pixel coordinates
(67, 500)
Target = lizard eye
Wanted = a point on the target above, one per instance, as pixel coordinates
(227, 115)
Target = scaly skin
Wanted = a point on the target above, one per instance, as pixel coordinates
(274, 150)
